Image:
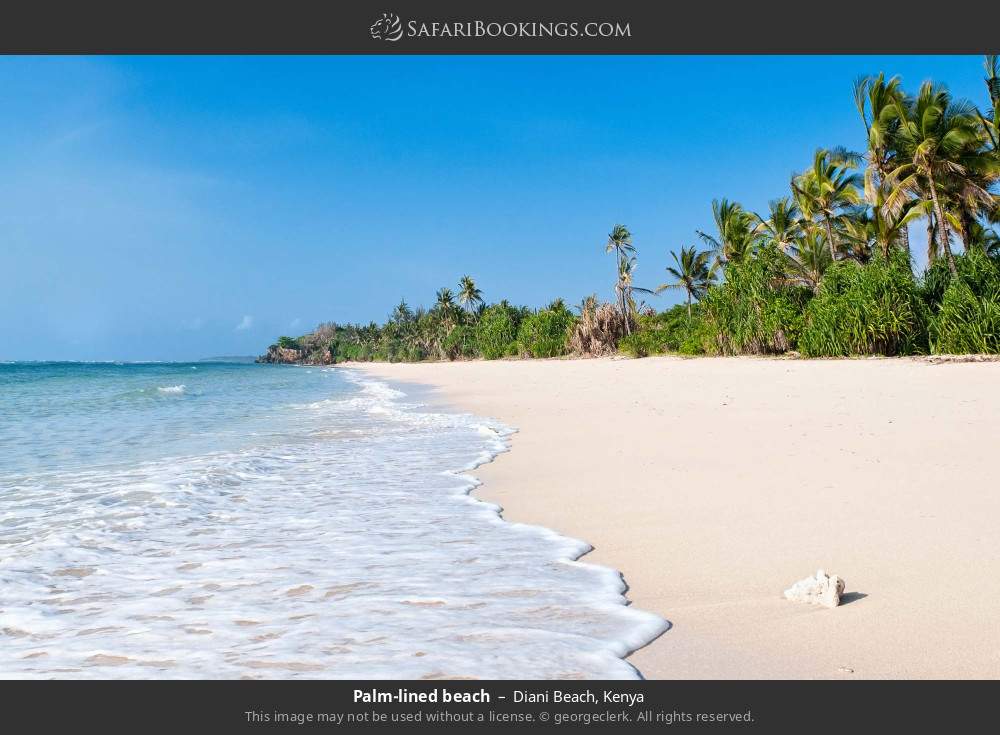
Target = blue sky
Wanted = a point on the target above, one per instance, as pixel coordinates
(182, 207)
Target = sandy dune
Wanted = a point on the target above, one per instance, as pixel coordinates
(713, 484)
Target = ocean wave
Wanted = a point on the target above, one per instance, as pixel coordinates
(305, 555)
(172, 389)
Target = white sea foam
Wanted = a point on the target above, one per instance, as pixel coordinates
(349, 550)
(172, 389)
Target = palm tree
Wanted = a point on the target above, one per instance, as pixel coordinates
(890, 224)
(620, 242)
(884, 223)
(737, 236)
(627, 289)
(692, 273)
(809, 258)
(876, 101)
(468, 294)
(445, 298)
(936, 133)
(992, 124)
(933, 247)
(856, 234)
(827, 188)
(783, 224)
(445, 307)
(402, 313)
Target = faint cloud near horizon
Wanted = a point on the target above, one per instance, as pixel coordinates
(295, 322)
(245, 323)
(78, 134)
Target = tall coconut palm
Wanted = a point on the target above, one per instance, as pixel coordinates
(782, 225)
(468, 294)
(876, 98)
(627, 290)
(827, 188)
(935, 133)
(692, 273)
(620, 243)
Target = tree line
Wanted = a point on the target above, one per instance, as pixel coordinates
(826, 270)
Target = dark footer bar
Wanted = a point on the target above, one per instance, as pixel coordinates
(244, 706)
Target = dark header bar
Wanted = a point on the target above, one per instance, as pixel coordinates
(514, 26)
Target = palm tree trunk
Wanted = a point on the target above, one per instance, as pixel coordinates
(942, 225)
(621, 307)
(966, 227)
(689, 308)
(932, 249)
(904, 240)
(620, 290)
(829, 237)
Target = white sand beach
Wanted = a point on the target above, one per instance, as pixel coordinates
(714, 484)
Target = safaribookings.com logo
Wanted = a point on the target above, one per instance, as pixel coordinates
(390, 28)
(387, 28)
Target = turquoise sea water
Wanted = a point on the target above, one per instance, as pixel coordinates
(227, 520)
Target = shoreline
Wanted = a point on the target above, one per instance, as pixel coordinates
(471, 472)
(713, 484)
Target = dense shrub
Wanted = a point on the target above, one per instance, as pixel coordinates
(496, 332)
(545, 333)
(288, 343)
(875, 309)
(344, 351)
(460, 343)
(637, 344)
(755, 311)
(597, 331)
(670, 331)
(968, 320)
(935, 282)
(389, 351)
(413, 353)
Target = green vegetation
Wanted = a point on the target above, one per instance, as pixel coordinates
(826, 271)
(757, 310)
(545, 333)
(968, 320)
(496, 331)
(872, 309)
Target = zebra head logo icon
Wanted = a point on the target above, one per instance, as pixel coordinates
(387, 28)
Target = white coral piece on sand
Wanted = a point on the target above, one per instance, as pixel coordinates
(821, 589)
